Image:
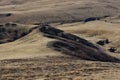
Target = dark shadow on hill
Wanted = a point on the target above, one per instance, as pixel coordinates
(73, 45)
(94, 18)
(5, 15)
(11, 31)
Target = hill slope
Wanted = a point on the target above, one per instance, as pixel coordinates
(65, 51)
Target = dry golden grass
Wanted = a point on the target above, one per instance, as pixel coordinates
(26, 13)
(92, 33)
(58, 68)
(95, 31)
(61, 11)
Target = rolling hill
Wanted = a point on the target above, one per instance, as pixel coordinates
(57, 40)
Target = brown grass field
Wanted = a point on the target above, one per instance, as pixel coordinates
(25, 53)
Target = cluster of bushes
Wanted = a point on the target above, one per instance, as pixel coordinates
(50, 31)
(11, 31)
(70, 44)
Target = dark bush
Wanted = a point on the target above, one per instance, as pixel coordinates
(8, 14)
(112, 49)
(1, 25)
(23, 34)
(8, 24)
(50, 30)
(1, 36)
(13, 25)
(90, 19)
(2, 30)
(103, 42)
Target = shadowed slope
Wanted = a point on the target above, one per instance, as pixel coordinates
(73, 45)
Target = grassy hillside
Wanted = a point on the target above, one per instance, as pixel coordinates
(68, 51)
